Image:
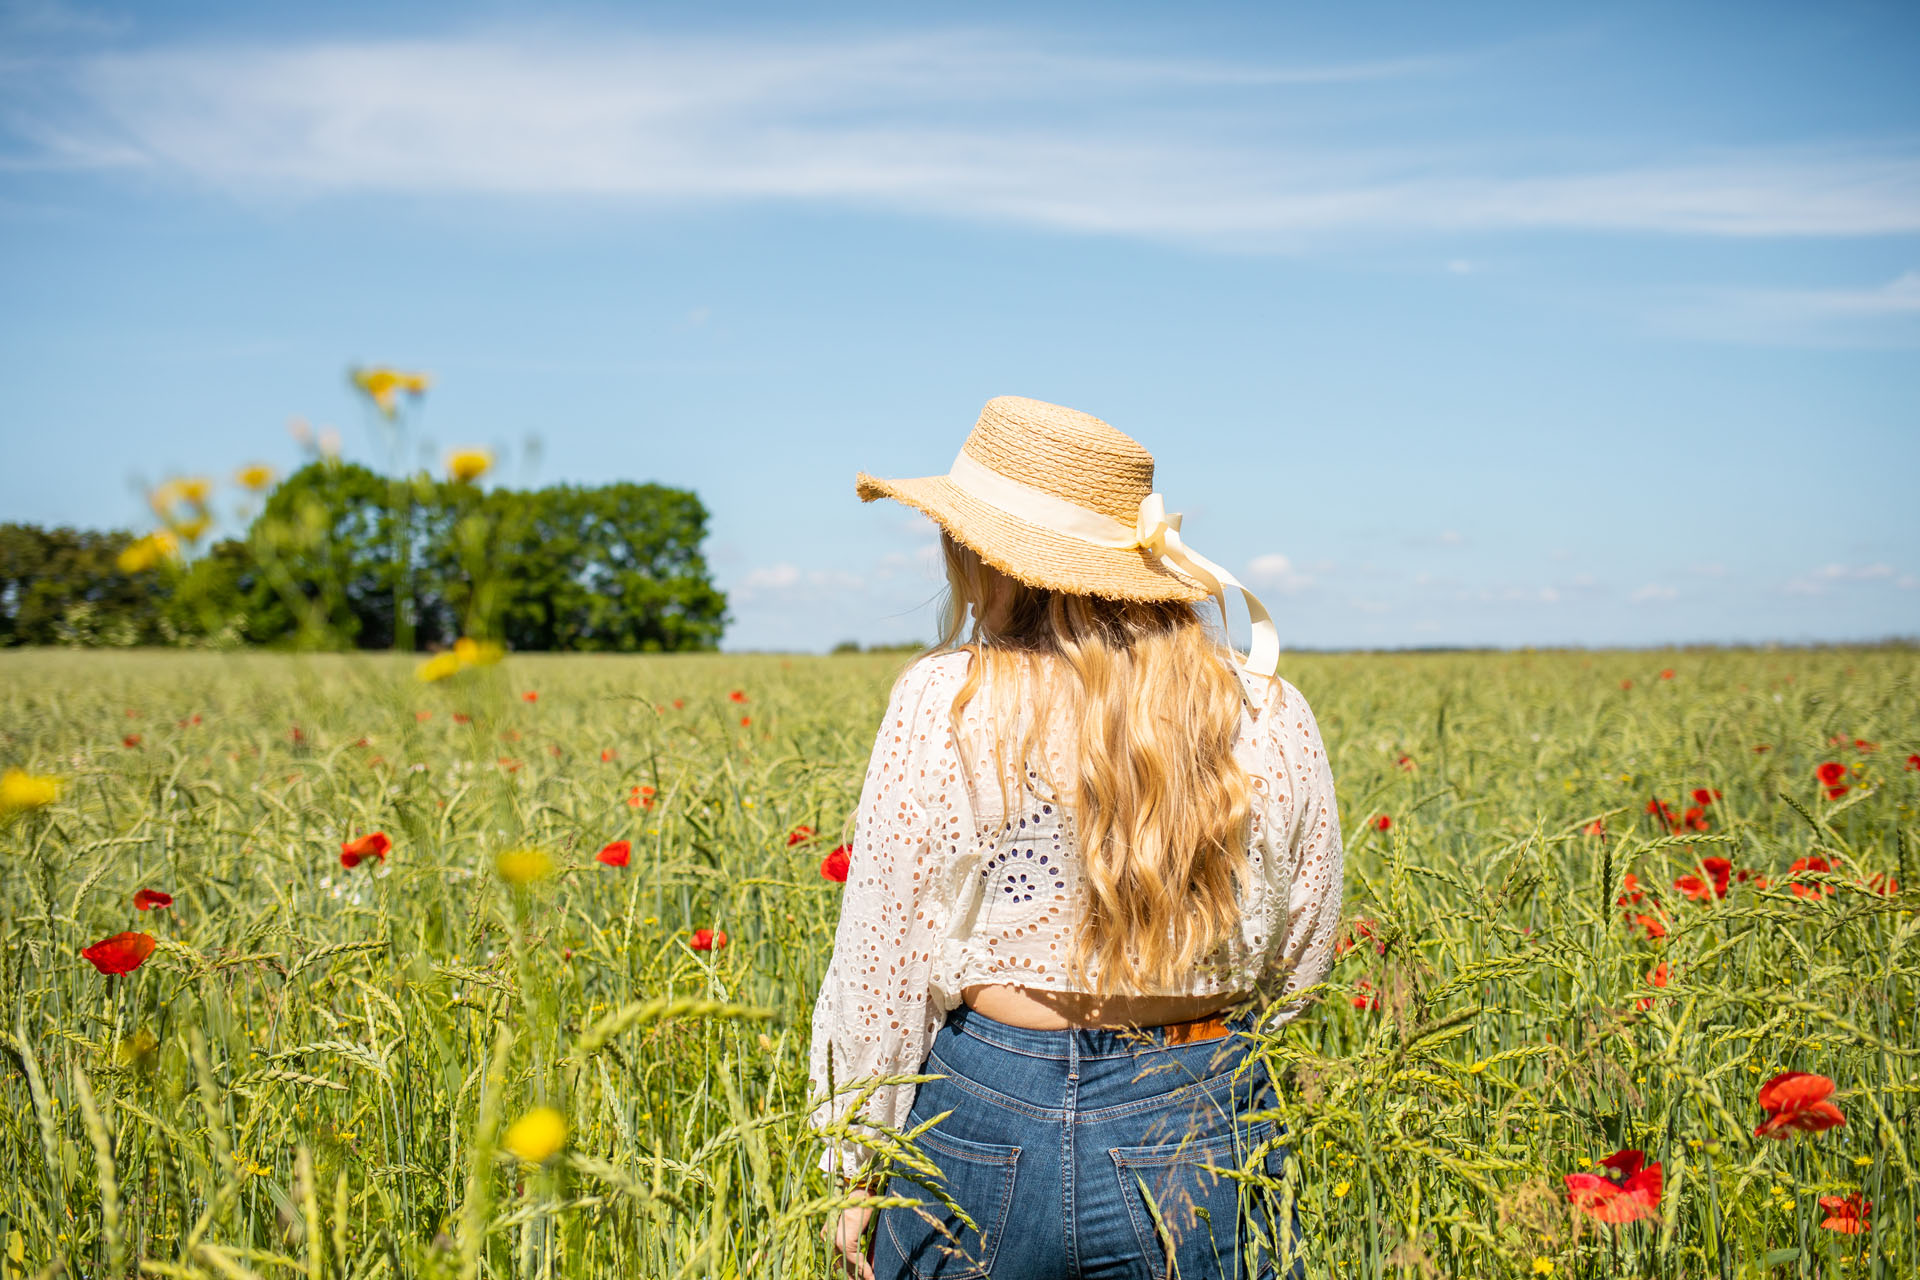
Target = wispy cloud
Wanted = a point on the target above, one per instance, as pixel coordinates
(1827, 577)
(1877, 315)
(956, 124)
(1275, 572)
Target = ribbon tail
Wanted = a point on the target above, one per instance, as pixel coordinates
(1263, 658)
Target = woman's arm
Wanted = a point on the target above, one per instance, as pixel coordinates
(873, 1017)
(1305, 854)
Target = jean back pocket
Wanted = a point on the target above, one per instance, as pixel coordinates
(935, 1242)
(1186, 1210)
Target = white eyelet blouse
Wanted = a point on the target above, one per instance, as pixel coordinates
(942, 892)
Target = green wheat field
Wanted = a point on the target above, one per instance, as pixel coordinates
(318, 1072)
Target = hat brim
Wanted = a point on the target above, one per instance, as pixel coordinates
(1035, 555)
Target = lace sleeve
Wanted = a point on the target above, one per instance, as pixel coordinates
(1306, 852)
(873, 1016)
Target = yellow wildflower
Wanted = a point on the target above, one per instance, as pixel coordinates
(256, 476)
(382, 385)
(1341, 1188)
(468, 465)
(138, 1049)
(1543, 1266)
(477, 653)
(523, 866)
(194, 490)
(438, 667)
(1477, 1068)
(21, 790)
(143, 553)
(1862, 1162)
(536, 1136)
(193, 528)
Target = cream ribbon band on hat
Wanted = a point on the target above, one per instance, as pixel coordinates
(1155, 531)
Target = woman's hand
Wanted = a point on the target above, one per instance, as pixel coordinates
(843, 1233)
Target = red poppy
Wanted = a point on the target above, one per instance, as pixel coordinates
(1667, 674)
(745, 721)
(1830, 774)
(1762, 749)
(1797, 1100)
(1626, 684)
(679, 703)
(1884, 885)
(617, 854)
(529, 696)
(1658, 978)
(1913, 763)
(1655, 927)
(606, 754)
(461, 717)
(737, 696)
(708, 939)
(1356, 931)
(834, 865)
(1366, 997)
(131, 740)
(1662, 810)
(1695, 819)
(799, 834)
(1846, 1213)
(1382, 822)
(422, 717)
(1621, 1190)
(1702, 796)
(1634, 892)
(640, 798)
(1595, 828)
(1837, 740)
(1815, 863)
(151, 899)
(122, 953)
(1861, 744)
(372, 845)
(1406, 762)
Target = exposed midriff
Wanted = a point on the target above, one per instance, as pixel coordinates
(1055, 1010)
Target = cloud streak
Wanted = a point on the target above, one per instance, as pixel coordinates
(969, 125)
(1886, 315)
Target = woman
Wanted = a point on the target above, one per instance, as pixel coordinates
(1092, 846)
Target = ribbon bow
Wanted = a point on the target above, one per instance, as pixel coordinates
(1154, 531)
(1159, 532)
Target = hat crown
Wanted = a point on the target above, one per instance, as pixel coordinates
(1064, 452)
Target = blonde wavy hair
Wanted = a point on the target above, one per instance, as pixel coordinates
(1160, 805)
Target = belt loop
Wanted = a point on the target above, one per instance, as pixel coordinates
(1073, 1054)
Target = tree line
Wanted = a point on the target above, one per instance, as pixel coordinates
(341, 556)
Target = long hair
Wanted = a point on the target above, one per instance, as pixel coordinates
(1160, 806)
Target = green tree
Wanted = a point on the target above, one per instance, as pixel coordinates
(65, 586)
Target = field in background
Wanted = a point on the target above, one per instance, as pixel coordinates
(315, 1073)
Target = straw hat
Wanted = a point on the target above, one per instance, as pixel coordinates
(1062, 501)
(1072, 457)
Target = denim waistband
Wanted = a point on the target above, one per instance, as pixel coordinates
(1068, 1042)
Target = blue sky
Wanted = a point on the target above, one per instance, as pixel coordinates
(1446, 324)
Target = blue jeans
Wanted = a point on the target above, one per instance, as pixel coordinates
(1065, 1146)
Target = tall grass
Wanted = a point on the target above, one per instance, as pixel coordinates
(316, 1073)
